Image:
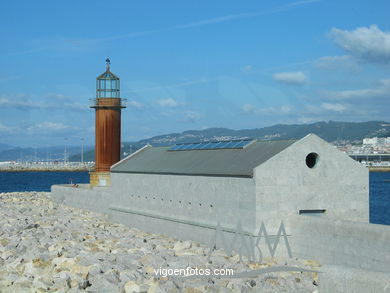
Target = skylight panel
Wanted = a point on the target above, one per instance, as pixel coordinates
(233, 144)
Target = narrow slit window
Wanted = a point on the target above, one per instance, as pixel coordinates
(312, 212)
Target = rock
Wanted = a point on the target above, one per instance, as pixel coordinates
(77, 281)
(5, 283)
(6, 254)
(84, 284)
(101, 285)
(62, 280)
(95, 269)
(38, 283)
(17, 264)
(192, 290)
(112, 276)
(182, 245)
(23, 282)
(131, 287)
(30, 270)
(63, 262)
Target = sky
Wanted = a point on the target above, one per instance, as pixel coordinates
(190, 64)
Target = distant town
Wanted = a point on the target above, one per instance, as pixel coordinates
(373, 151)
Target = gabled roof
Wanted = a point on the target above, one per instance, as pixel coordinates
(107, 75)
(219, 162)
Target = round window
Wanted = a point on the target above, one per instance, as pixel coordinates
(311, 160)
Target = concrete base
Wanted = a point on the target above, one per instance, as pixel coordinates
(340, 279)
(355, 256)
(100, 178)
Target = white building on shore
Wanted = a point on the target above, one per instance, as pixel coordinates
(191, 191)
(175, 190)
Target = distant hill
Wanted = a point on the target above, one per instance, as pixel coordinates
(331, 131)
(4, 147)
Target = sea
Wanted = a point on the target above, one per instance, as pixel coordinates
(42, 181)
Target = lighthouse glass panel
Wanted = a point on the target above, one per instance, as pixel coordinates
(107, 86)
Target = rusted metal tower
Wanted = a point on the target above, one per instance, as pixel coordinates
(108, 106)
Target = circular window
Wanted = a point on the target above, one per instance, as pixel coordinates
(311, 160)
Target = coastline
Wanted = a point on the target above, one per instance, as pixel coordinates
(88, 169)
(47, 170)
(379, 169)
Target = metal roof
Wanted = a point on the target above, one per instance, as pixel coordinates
(220, 162)
(108, 75)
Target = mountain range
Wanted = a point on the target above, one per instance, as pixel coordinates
(332, 131)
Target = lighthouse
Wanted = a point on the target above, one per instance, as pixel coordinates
(108, 106)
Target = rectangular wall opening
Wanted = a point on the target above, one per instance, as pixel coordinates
(312, 212)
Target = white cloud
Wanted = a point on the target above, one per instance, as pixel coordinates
(247, 68)
(333, 107)
(23, 102)
(305, 119)
(248, 108)
(285, 109)
(47, 127)
(19, 101)
(56, 96)
(367, 43)
(292, 78)
(4, 128)
(345, 62)
(170, 103)
(75, 106)
(192, 116)
(135, 104)
(380, 90)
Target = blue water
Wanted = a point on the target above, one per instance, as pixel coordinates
(41, 181)
(380, 197)
(38, 181)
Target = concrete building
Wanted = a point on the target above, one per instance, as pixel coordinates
(376, 141)
(257, 183)
(175, 190)
(192, 191)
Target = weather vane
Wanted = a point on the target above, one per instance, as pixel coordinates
(108, 63)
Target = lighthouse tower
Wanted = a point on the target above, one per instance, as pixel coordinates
(108, 106)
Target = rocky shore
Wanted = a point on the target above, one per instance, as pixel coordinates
(46, 247)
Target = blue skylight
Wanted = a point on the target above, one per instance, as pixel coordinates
(215, 145)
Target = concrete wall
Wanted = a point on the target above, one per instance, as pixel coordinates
(339, 279)
(83, 197)
(346, 243)
(186, 207)
(285, 185)
(200, 199)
